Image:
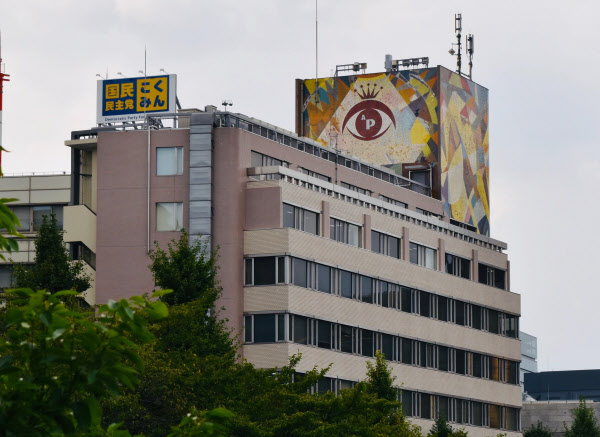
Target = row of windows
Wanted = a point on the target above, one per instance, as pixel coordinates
(326, 279)
(31, 217)
(348, 233)
(393, 201)
(269, 328)
(314, 174)
(461, 411)
(262, 160)
(433, 406)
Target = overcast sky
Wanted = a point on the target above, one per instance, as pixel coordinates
(539, 60)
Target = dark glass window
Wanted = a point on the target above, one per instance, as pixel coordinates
(423, 354)
(443, 358)
(476, 310)
(300, 330)
(264, 271)
(460, 362)
(477, 416)
(477, 365)
(460, 313)
(459, 411)
(300, 273)
(38, 215)
(407, 351)
(367, 289)
(288, 216)
(492, 276)
(248, 329)
(425, 305)
(346, 284)
(324, 339)
(406, 300)
(346, 339)
(425, 406)
(368, 343)
(407, 403)
(301, 219)
(324, 275)
(394, 247)
(443, 403)
(280, 327)
(387, 346)
(494, 317)
(512, 418)
(324, 385)
(264, 328)
(280, 270)
(248, 278)
(495, 416)
(414, 253)
(385, 295)
(375, 242)
(443, 308)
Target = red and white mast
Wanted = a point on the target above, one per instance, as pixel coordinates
(3, 78)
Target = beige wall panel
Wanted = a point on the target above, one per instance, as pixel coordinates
(302, 197)
(17, 257)
(492, 258)
(353, 367)
(323, 306)
(344, 210)
(275, 241)
(80, 225)
(14, 183)
(51, 182)
(22, 196)
(50, 196)
(373, 264)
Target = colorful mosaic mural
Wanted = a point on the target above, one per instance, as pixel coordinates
(382, 118)
(464, 156)
(429, 115)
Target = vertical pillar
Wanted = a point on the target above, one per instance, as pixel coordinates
(405, 244)
(507, 275)
(367, 231)
(325, 220)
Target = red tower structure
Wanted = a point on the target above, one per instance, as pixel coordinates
(3, 78)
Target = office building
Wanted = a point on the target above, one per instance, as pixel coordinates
(334, 241)
(528, 356)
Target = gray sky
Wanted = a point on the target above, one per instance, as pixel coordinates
(538, 58)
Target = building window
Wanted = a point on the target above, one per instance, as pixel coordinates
(385, 244)
(345, 232)
(492, 276)
(169, 216)
(423, 256)
(301, 219)
(169, 161)
(393, 202)
(314, 174)
(267, 270)
(355, 188)
(260, 160)
(458, 266)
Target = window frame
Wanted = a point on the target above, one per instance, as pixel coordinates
(179, 155)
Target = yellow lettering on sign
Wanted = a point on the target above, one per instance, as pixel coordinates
(112, 91)
(127, 89)
(110, 106)
(129, 104)
(119, 105)
(152, 94)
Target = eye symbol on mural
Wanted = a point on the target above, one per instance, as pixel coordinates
(369, 120)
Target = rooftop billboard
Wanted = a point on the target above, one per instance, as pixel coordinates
(131, 99)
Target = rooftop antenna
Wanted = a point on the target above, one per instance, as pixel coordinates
(470, 50)
(458, 30)
(3, 78)
(226, 103)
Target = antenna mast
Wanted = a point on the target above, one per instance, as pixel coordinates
(316, 51)
(3, 78)
(458, 30)
(470, 50)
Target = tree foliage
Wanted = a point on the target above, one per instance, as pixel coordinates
(187, 269)
(537, 430)
(56, 362)
(379, 379)
(584, 422)
(9, 223)
(53, 270)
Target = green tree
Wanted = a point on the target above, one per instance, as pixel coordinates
(8, 222)
(441, 428)
(187, 269)
(537, 430)
(379, 379)
(53, 270)
(584, 422)
(56, 363)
